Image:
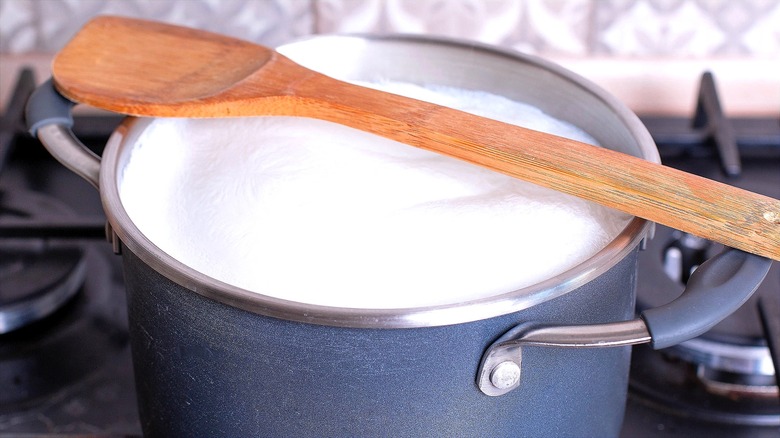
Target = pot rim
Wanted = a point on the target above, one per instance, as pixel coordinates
(133, 240)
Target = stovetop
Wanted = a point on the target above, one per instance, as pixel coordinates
(64, 356)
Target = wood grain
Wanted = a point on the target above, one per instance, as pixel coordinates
(149, 69)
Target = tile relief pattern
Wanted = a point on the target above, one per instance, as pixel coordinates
(17, 28)
(45, 25)
(762, 37)
(619, 28)
(644, 30)
(686, 28)
(579, 28)
(531, 25)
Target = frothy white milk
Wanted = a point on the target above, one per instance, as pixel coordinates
(319, 213)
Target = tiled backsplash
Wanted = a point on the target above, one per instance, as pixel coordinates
(628, 46)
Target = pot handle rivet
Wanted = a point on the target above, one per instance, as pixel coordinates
(505, 375)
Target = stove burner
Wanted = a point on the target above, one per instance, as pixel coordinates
(674, 387)
(37, 276)
(74, 342)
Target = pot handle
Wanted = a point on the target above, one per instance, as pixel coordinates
(715, 290)
(49, 118)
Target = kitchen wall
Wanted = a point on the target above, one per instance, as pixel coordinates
(649, 53)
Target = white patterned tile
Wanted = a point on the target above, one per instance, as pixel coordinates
(345, 16)
(667, 28)
(532, 25)
(487, 21)
(53, 22)
(558, 27)
(17, 26)
(674, 28)
(763, 36)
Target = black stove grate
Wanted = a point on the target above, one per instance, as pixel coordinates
(64, 350)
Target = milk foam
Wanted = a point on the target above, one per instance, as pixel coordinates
(319, 213)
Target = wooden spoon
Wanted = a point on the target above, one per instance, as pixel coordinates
(145, 68)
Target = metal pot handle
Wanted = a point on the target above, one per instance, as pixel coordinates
(49, 118)
(715, 290)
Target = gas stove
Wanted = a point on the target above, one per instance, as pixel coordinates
(65, 364)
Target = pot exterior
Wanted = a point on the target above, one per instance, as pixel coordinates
(205, 368)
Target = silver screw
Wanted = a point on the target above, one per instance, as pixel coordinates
(505, 375)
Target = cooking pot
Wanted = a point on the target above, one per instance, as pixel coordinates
(547, 360)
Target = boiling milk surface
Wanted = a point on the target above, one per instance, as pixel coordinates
(319, 213)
